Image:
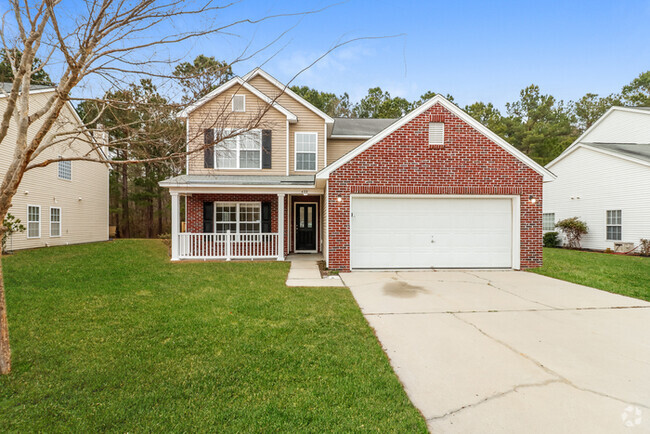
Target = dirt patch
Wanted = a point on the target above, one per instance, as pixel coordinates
(401, 289)
(324, 271)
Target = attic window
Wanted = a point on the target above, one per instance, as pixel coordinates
(239, 103)
(436, 133)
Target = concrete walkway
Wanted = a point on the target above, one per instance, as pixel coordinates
(304, 272)
(511, 352)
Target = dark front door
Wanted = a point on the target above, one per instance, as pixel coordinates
(305, 226)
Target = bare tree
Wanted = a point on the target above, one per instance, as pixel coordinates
(112, 43)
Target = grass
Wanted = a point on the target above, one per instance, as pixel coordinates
(625, 275)
(114, 337)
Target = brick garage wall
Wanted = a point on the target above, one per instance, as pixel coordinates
(405, 163)
(195, 209)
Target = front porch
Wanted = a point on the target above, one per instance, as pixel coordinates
(246, 224)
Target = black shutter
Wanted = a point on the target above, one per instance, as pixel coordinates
(266, 217)
(266, 149)
(208, 152)
(208, 217)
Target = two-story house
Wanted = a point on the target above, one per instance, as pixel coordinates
(269, 174)
(604, 179)
(62, 203)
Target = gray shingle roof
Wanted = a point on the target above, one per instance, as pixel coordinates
(359, 127)
(6, 87)
(633, 150)
(239, 180)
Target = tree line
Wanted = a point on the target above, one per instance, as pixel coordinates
(537, 124)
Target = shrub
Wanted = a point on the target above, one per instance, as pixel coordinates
(551, 239)
(12, 225)
(573, 229)
(645, 247)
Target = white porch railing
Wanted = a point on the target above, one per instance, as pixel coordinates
(227, 246)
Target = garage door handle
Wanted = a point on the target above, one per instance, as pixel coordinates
(432, 240)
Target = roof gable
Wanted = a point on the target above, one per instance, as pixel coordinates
(455, 110)
(230, 83)
(285, 89)
(623, 125)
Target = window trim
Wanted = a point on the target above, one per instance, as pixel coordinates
(237, 150)
(442, 142)
(295, 151)
(60, 222)
(543, 228)
(238, 221)
(58, 170)
(612, 225)
(233, 103)
(40, 220)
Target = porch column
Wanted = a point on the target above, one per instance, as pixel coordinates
(175, 224)
(280, 226)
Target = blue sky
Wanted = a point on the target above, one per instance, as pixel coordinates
(475, 50)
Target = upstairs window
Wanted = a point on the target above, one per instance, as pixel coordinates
(55, 222)
(243, 151)
(614, 225)
(548, 222)
(65, 170)
(436, 133)
(33, 221)
(306, 144)
(239, 103)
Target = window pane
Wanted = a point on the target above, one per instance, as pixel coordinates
(305, 142)
(614, 217)
(33, 221)
(305, 161)
(548, 221)
(226, 153)
(65, 170)
(55, 222)
(249, 159)
(614, 233)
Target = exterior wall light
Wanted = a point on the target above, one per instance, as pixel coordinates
(532, 199)
(339, 199)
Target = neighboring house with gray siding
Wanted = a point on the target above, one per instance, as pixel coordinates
(64, 203)
(604, 179)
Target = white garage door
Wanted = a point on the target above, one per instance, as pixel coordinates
(401, 232)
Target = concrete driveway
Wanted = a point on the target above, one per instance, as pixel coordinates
(507, 351)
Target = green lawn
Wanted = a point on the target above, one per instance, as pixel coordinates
(626, 275)
(114, 337)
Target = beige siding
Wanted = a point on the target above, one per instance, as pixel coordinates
(336, 148)
(82, 221)
(308, 121)
(217, 113)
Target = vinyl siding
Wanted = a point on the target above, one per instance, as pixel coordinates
(82, 221)
(602, 183)
(308, 121)
(217, 113)
(621, 127)
(336, 148)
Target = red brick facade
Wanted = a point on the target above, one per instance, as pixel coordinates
(195, 209)
(405, 163)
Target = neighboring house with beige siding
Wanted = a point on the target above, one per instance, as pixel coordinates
(269, 174)
(62, 203)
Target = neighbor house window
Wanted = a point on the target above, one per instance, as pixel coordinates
(33, 221)
(306, 144)
(65, 170)
(55, 222)
(436, 133)
(548, 222)
(239, 103)
(238, 217)
(241, 151)
(614, 225)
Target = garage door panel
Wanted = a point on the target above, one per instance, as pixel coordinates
(398, 232)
